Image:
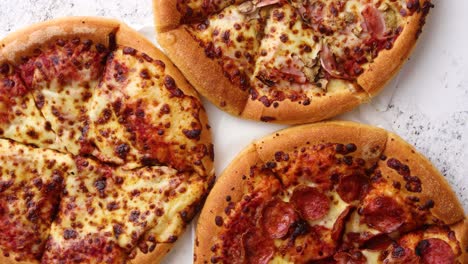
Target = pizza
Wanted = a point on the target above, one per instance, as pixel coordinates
(334, 192)
(105, 149)
(291, 61)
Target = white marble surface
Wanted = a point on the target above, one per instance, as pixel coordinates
(426, 104)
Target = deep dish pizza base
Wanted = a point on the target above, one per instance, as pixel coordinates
(208, 77)
(228, 190)
(109, 32)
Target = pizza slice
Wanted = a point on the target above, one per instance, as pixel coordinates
(225, 44)
(403, 196)
(105, 211)
(433, 244)
(31, 183)
(142, 114)
(169, 15)
(21, 120)
(61, 65)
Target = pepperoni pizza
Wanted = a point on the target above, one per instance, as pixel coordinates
(292, 61)
(334, 192)
(105, 150)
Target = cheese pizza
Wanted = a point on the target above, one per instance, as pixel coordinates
(105, 150)
(291, 61)
(335, 192)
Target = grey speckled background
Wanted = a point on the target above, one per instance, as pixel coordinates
(426, 104)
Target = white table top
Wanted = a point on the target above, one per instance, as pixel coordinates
(426, 104)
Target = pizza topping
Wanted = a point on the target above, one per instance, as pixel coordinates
(339, 224)
(277, 218)
(374, 21)
(328, 62)
(435, 251)
(258, 248)
(310, 202)
(352, 187)
(383, 213)
(354, 257)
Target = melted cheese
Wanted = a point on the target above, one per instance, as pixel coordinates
(126, 205)
(146, 108)
(62, 89)
(30, 187)
(337, 207)
(21, 120)
(372, 256)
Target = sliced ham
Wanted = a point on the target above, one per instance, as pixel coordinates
(262, 3)
(328, 62)
(374, 21)
(294, 74)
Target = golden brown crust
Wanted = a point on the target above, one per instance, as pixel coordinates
(370, 141)
(154, 257)
(166, 15)
(202, 72)
(320, 108)
(434, 186)
(229, 184)
(388, 62)
(461, 233)
(24, 42)
(11, 260)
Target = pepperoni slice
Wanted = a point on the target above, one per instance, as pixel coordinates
(383, 213)
(353, 257)
(338, 226)
(435, 251)
(374, 21)
(310, 202)
(350, 188)
(277, 217)
(258, 248)
(380, 242)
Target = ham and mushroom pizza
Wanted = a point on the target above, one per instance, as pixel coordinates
(292, 61)
(105, 150)
(336, 192)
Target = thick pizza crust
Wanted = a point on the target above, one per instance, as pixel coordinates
(372, 143)
(461, 233)
(11, 260)
(202, 72)
(434, 186)
(229, 184)
(166, 15)
(289, 112)
(381, 71)
(156, 256)
(207, 76)
(25, 41)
